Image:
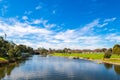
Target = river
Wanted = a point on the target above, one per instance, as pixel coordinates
(38, 67)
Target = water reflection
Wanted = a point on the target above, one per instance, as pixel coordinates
(6, 70)
(117, 69)
(108, 66)
(55, 68)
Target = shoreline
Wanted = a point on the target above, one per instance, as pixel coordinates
(13, 60)
(98, 61)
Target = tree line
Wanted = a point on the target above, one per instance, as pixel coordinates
(108, 52)
(68, 50)
(10, 50)
(114, 50)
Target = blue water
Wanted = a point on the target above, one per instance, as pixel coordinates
(57, 68)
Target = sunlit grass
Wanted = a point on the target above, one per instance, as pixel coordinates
(115, 56)
(3, 59)
(85, 55)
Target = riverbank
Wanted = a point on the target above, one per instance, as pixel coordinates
(5, 61)
(95, 57)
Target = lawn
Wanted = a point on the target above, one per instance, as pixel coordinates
(83, 55)
(95, 56)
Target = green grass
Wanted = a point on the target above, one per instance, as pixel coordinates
(83, 55)
(115, 56)
(3, 59)
(115, 59)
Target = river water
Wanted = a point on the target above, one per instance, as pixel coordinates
(57, 68)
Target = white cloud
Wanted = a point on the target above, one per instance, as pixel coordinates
(66, 36)
(19, 29)
(4, 9)
(102, 25)
(37, 36)
(37, 21)
(113, 37)
(110, 20)
(90, 26)
(44, 23)
(24, 17)
(27, 12)
(38, 7)
(49, 26)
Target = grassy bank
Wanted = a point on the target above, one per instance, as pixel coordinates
(3, 60)
(86, 55)
(115, 59)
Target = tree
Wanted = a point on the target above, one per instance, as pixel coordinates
(11, 53)
(116, 49)
(67, 50)
(11, 50)
(108, 53)
(103, 49)
(43, 51)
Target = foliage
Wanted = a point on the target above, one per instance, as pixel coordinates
(43, 51)
(116, 49)
(108, 53)
(11, 50)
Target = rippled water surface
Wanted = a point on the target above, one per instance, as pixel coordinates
(56, 68)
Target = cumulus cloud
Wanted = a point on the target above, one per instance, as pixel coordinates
(34, 35)
(21, 29)
(113, 37)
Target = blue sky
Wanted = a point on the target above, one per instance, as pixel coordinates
(75, 24)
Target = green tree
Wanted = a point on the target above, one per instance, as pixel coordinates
(43, 51)
(108, 53)
(116, 49)
(11, 50)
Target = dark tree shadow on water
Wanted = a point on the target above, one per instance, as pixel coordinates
(117, 69)
(108, 66)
